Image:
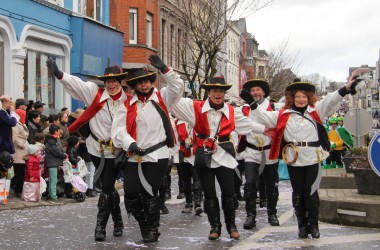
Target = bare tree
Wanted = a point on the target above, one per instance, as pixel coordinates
(282, 68)
(205, 27)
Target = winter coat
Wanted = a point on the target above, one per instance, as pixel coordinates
(32, 170)
(33, 130)
(6, 124)
(41, 155)
(73, 156)
(20, 142)
(54, 153)
(65, 134)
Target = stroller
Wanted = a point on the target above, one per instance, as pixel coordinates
(74, 176)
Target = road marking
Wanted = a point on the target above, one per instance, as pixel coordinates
(298, 243)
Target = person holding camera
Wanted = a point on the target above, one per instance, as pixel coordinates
(302, 142)
(142, 128)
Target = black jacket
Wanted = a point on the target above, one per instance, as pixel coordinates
(54, 153)
(73, 156)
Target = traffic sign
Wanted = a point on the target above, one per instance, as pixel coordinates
(358, 122)
(373, 153)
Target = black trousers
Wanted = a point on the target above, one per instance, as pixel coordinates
(224, 176)
(19, 169)
(302, 178)
(153, 173)
(109, 175)
(335, 155)
(239, 179)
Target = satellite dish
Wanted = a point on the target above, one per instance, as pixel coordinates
(358, 122)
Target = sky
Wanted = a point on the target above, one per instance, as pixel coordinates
(326, 36)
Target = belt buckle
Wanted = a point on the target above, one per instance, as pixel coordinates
(207, 150)
(303, 144)
(260, 149)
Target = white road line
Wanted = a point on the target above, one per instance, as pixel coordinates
(298, 243)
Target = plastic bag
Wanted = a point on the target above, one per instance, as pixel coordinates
(43, 185)
(79, 184)
(67, 172)
(11, 173)
(83, 172)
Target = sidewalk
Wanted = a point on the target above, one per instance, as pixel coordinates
(17, 203)
(340, 202)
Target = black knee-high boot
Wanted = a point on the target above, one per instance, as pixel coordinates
(118, 224)
(272, 198)
(211, 208)
(136, 207)
(312, 204)
(229, 205)
(300, 211)
(152, 212)
(102, 217)
(197, 194)
(250, 194)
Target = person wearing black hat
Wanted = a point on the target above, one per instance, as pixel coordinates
(21, 103)
(102, 105)
(257, 163)
(143, 129)
(301, 141)
(39, 106)
(213, 121)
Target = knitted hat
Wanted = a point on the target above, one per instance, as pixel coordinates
(6, 161)
(32, 149)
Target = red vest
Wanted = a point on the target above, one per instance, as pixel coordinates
(132, 114)
(282, 120)
(90, 112)
(202, 127)
(182, 135)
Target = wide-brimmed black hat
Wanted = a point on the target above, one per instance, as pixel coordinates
(298, 85)
(38, 104)
(216, 83)
(114, 72)
(141, 75)
(257, 83)
(21, 101)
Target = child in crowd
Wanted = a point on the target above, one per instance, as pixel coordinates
(54, 156)
(40, 143)
(72, 145)
(31, 188)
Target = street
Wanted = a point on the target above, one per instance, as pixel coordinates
(72, 226)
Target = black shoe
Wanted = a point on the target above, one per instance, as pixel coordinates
(302, 232)
(164, 209)
(181, 196)
(239, 197)
(263, 203)
(91, 193)
(100, 234)
(150, 235)
(250, 223)
(198, 210)
(273, 220)
(314, 231)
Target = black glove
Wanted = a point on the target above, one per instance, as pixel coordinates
(50, 63)
(156, 61)
(352, 89)
(247, 97)
(133, 148)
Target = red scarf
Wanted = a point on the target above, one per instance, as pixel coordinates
(90, 112)
(282, 120)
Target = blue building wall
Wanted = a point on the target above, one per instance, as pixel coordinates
(23, 12)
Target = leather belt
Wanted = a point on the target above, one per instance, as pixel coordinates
(305, 144)
(258, 148)
(152, 148)
(220, 139)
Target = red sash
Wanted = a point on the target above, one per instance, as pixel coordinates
(90, 112)
(132, 114)
(202, 126)
(282, 120)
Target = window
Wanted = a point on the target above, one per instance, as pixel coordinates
(179, 48)
(133, 26)
(172, 51)
(163, 40)
(149, 30)
(93, 9)
(38, 84)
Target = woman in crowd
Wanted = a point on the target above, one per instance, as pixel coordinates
(33, 125)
